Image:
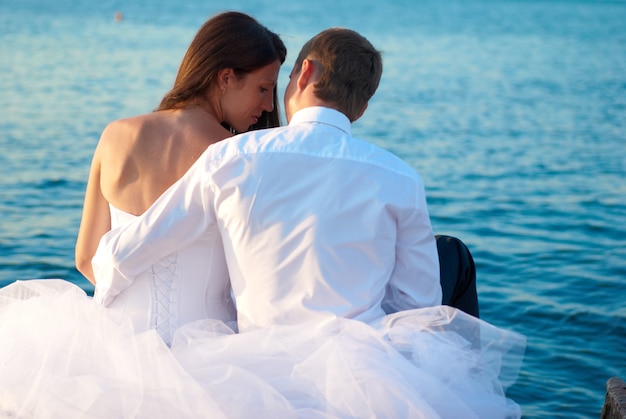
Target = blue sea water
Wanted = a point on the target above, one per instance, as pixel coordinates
(513, 112)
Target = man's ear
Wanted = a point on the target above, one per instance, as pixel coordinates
(306, 75)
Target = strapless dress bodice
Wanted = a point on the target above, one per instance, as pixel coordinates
(190, 284)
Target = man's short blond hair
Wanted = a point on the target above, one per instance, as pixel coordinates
(350, 69)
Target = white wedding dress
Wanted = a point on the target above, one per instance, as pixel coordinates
(61, 356)
(188, 285)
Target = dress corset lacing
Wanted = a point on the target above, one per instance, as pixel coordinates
(164, 278)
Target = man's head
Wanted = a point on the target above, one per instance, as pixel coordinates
(337, 68)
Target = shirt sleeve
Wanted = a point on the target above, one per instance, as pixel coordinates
(414, 281)
(178, 217)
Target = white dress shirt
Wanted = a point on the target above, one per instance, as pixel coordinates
(314, 223)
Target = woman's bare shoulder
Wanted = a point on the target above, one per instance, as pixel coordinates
(128, 132)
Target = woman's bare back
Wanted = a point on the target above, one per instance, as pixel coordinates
(143, 156)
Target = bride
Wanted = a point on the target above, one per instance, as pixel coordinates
(138, 158)
(216, 93)
(322, 348)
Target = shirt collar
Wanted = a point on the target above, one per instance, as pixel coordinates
(322, 115)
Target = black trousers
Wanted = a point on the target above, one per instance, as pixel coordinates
(457, 274)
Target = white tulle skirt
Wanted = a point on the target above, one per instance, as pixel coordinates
(63, 356)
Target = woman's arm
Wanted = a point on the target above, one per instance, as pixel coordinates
(96, 219)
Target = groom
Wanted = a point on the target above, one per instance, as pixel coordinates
(314, 223)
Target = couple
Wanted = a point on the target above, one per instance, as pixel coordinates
(320, 234)
(387, 243)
